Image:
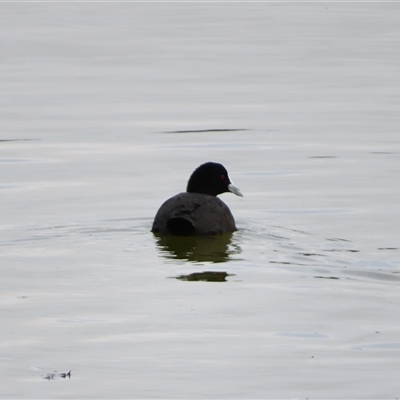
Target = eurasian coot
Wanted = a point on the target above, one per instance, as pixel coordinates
(198, 211)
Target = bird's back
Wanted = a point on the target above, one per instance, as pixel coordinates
(193, 214)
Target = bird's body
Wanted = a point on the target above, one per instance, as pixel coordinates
(198, 211)
(193, 214)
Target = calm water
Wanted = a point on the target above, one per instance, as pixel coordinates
(107, 108)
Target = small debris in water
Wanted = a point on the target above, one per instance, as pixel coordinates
(64, 375)
(55, 375)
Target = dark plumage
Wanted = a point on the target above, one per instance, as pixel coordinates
(198, 211)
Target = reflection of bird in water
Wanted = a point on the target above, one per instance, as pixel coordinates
(198, 211)
(205, 276)
(214, 249)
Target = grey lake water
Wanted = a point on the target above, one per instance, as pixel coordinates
(107, 108)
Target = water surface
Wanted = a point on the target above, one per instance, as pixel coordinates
(107, 108)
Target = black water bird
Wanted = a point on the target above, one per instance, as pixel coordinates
(198, 211)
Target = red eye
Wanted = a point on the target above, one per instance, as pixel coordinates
(222, 177)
